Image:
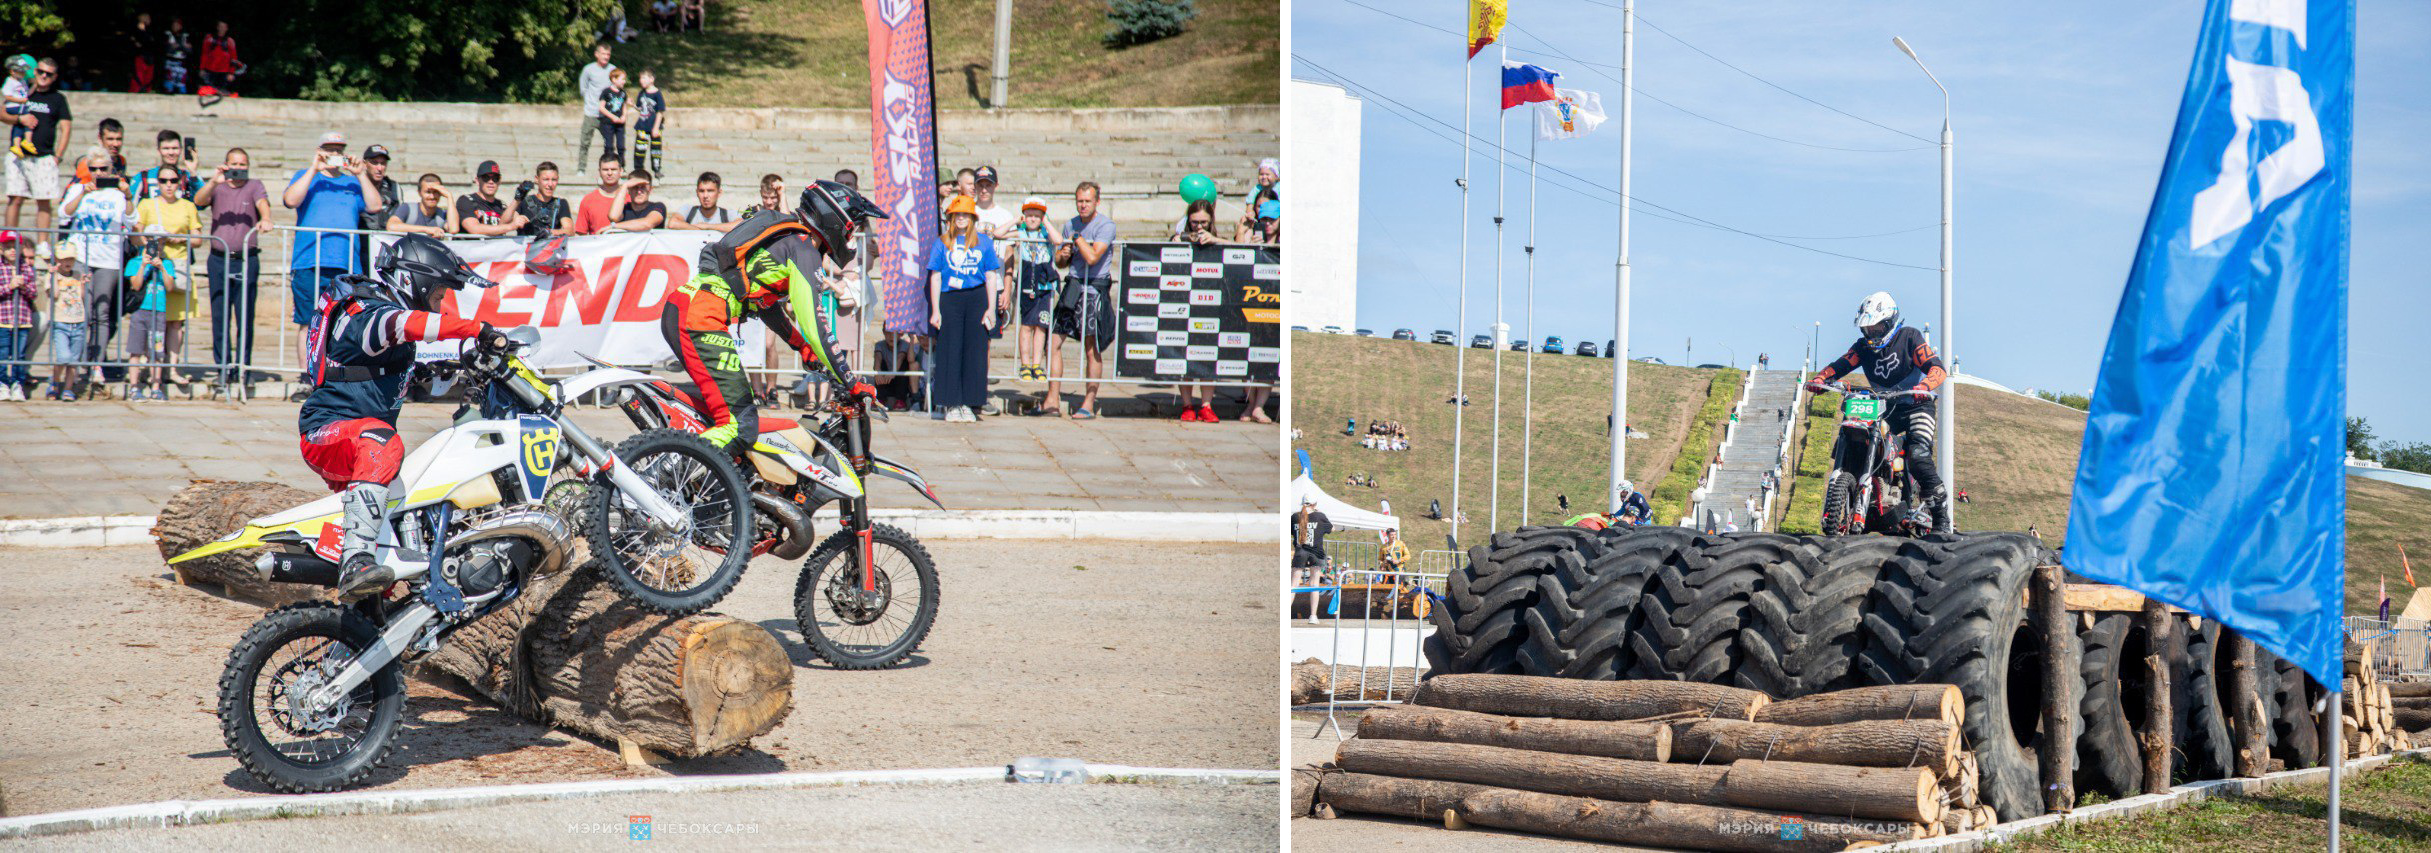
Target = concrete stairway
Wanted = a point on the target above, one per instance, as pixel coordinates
(1765, 415)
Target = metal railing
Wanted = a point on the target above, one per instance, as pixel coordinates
(1396, 638)
(2401, 646)
(108, 311)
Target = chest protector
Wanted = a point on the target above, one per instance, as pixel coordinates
(323, 349)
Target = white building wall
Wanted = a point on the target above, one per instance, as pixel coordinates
(1321, 190)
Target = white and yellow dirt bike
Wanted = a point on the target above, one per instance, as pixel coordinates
(868, 592)
(312, 695)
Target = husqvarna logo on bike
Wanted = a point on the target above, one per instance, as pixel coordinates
(540, 445)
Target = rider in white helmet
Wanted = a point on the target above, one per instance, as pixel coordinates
(1896, 358)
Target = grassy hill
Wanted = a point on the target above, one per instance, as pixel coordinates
(1342, 376)
(790, 53)
(2019, 462)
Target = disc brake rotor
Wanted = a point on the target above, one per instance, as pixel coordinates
(854, 605)
(293, 685)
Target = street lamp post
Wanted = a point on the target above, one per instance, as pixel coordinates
(1946, 408)
(1814, 349)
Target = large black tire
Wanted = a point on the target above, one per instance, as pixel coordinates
(722, 522)
(1738, 615)
(2109, 758)
(1624, 612)
(381, 700)
(1830, 626)
(832, 556)
(2209, 752)
(1484, 626)
(1966, 626)
(2295, 730)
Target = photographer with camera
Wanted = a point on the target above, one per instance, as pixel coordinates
(238, 204)
(537, 204)
(331, 194)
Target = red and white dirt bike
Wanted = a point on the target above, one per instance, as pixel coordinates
(868, 592)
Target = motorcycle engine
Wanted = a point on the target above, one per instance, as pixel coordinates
(480, 572)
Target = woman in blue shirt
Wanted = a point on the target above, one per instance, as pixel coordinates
(962, 287)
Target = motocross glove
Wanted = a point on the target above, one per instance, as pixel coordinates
(492, 339)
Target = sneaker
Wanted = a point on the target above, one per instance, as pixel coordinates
(52, 394)
(1207, 414)
(1190, 414)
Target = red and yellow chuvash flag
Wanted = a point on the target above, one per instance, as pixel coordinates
(1486, 18)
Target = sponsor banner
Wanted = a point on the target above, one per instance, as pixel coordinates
(903, 149)
(1199, 312)
(605, 303)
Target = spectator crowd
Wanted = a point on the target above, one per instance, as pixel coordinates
(152, 249)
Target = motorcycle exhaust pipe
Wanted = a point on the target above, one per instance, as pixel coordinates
(283, 567)
(797, 539)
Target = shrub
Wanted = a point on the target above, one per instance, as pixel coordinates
(1144, 21)
(1669, 500)
(2078, 402)
(1805, 512)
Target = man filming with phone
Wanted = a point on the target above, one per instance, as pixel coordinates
(236, 204)
(331, 194)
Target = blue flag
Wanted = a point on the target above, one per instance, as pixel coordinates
(2213, 474)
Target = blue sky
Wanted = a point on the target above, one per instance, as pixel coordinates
(2062, 111)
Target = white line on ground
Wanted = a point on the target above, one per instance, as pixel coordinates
(185, 812)
(105, 530)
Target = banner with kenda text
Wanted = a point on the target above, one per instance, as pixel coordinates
(605, 304)
(903, 156)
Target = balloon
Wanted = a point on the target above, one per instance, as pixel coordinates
(1198, 187)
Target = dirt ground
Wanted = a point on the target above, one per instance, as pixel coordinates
(1105, 651)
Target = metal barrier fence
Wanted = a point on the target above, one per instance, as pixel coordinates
(2401, 646)
(1398, 639)
(106, 311)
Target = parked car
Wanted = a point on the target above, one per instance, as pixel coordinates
(1367, 333)
(1709, 366)
(1611, 349)
(1520, 345)
(1299, 328)
(1587, 348)
(1404, 335)
(1443, 336)
(1331, 330)
(1553, 345)
(1481, 342)
(1650, 360)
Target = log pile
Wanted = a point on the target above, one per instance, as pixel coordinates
(1661, 763)
(2410, 706)
(1312, 681)
(2371, 720)
(569, 652)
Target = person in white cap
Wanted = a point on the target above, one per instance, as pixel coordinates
(1034, 244)
(332, 193)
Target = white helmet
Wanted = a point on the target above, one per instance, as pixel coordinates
(1628, 488)
(1877, 316)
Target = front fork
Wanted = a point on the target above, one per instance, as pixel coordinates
(856, 447)
(394, 640)
(663, 516)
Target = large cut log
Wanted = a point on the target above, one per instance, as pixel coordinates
(1304, 784)
(1575, 699)
(1931, 744)
(2247, 730)
(1657, 824)
(2398, 701)
(2164, 644)
(572, 652)
(2056, 759)
(1964, 788)
(1869, 792)
(1637, 741)
(1312, 681)
(206, 510)
(2410, 690)
(2413, 719)
(1889, 702)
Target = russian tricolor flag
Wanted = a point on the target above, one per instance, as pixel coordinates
(1525, 84)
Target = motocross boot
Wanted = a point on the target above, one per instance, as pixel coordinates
(360, 570)
(1939, 501)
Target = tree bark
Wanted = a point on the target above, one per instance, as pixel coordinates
(2400, 702)
(1931, 744)
(1657, 824)
(2248, 730)
(573, 653)
(2057, 751)
(2410, 690)
(1868, 792)
(2413, 719)
(2162, 638)
(1305, 782)
(1313, 680)
(1574, 699)
(1890, 702)
(1637, 741)
(206, 510)
(1308, 682)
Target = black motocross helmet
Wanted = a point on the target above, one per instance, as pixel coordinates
(835, 212)
(418, 266)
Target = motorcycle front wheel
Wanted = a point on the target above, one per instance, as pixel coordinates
(1837, 502)
(263, 717)
(687, 569)
(857, 625)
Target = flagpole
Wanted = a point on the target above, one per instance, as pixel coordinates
(1527, 406)
(2338, 752)
(1501, 156)
(1620, 313)
(1460, 353)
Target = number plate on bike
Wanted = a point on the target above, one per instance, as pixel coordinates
(1861, 408)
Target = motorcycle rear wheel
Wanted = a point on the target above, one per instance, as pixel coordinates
(670, 575)
(856, 630)
(366, 723)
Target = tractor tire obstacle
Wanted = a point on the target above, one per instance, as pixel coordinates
(1807, 616)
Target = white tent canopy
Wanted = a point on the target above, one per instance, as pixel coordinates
(1344, 516)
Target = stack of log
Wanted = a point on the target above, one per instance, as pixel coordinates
(1661, 763)
(2371, 722)
(2410, 707)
